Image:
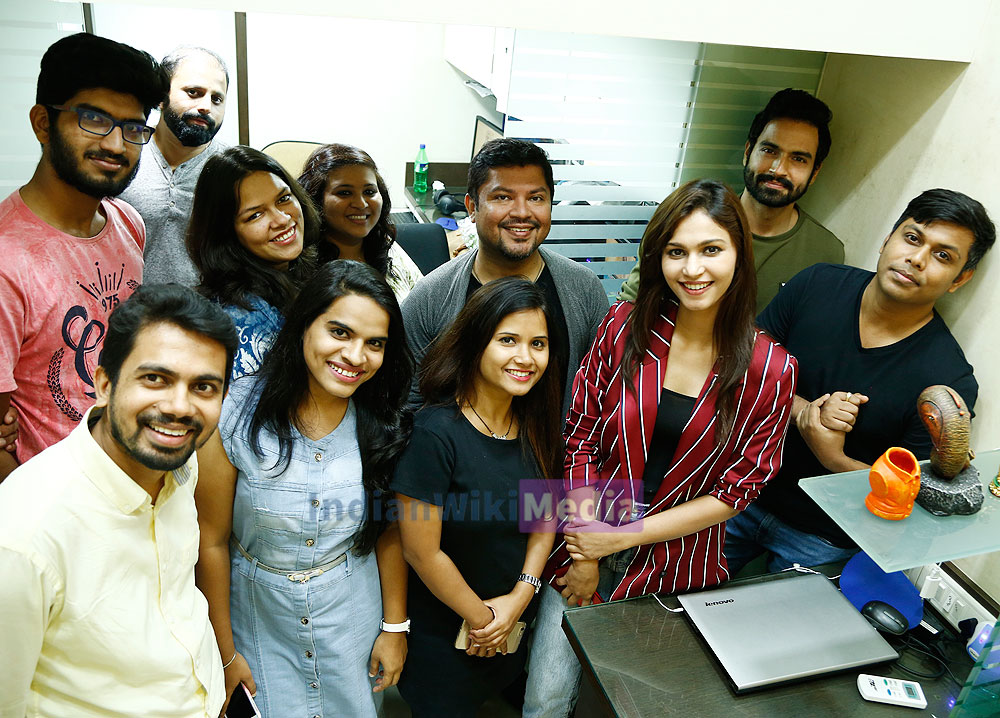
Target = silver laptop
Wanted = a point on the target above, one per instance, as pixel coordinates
(784, 630)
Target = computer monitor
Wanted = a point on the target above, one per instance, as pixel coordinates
(483, 133)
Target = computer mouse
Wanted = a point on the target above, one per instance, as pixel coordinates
(885, 618)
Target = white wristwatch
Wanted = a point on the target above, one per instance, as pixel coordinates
(536, 583)
(403, 627)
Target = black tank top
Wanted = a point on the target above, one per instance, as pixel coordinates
(672, 416)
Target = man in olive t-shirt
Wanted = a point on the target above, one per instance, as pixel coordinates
(785, 148)
(779, 258)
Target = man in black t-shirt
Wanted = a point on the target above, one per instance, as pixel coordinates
(867, 345)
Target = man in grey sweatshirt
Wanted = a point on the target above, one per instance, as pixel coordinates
(510, 199)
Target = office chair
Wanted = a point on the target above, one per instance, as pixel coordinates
(291, 154)
(426, 244)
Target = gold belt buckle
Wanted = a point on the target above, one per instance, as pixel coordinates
(303, 576)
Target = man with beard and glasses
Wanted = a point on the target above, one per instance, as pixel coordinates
(70, 252)
(163, 190)
(785, 148)
(510, 200)
(99, 611)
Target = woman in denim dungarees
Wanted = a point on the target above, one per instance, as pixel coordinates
(290, 507)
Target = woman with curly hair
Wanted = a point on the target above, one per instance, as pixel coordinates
(353, 203)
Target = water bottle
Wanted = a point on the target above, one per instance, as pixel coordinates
(420, 167)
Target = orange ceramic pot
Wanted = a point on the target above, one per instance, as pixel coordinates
(895, 481)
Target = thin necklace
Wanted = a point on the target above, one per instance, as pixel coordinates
(493, 433)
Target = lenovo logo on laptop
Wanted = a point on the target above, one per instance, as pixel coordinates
(719, 603)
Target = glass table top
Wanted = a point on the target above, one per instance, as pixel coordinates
(920, 539)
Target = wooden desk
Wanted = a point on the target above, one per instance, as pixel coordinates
(640, 660)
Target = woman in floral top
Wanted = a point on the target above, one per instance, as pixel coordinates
(252, 236)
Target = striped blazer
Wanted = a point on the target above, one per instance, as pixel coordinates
(609, 429)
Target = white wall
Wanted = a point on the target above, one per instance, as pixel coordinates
(158, 30)
(903, 28)
(901, 127)
(381, 86)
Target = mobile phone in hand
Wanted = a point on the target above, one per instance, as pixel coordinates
(241, 705)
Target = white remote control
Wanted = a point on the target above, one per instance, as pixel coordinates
(891, 690)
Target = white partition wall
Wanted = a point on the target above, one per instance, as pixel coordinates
(158, 30)
(896, 28)
(382, 86)
(612, 114)
(612, 111)
(26, 31)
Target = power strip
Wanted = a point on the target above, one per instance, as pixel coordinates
(952, 601)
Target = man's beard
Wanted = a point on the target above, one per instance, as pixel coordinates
(67, 168)
(771, 197)
(517, 252)
(157, 459)
(189, 135)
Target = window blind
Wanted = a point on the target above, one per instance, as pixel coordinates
(626, 120)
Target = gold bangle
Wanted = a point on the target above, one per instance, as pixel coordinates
(230, 661)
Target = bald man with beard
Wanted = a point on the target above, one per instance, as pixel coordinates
(163, 190)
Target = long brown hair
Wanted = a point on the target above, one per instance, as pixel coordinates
(451, 365)
(734, 324)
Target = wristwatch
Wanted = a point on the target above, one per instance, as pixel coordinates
(403, 627)
(535, 582)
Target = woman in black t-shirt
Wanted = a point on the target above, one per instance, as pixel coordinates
(491, 420)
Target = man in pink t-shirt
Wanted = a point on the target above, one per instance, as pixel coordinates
(70, 254)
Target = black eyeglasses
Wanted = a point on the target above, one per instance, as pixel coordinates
(97, 123)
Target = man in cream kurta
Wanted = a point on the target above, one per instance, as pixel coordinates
(99, 613)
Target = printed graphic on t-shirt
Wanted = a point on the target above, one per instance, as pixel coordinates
(83, 334)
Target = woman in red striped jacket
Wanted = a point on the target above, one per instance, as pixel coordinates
(677, 421)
